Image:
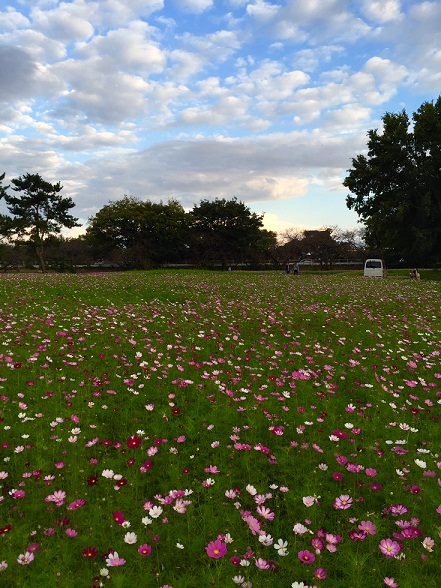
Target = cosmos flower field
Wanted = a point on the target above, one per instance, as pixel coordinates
(193, 429)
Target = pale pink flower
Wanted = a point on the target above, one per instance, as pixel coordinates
(262, 564)
(25, 558)
(265, 513)
(428, 543)
(253, 524)
(343, 502)
(308, 500)
(113, 560)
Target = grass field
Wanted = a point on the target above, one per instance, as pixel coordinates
(195, 429)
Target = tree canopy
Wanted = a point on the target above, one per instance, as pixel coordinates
(228, 231)
(36, 212)
(139, 232)
(396, 186)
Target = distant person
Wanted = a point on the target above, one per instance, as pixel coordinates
(287, 268)
(415, 275)
(295, 269)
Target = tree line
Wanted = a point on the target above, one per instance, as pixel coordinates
(395, 190)
(131, 233)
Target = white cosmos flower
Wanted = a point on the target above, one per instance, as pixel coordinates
(155, 512)
(281, 547)
(130, 538)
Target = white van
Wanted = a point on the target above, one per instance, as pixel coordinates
(374, 268)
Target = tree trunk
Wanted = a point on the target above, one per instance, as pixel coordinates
(39, 252)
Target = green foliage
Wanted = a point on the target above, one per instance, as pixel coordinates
(227, 231)
(396, 186)
(144, 233)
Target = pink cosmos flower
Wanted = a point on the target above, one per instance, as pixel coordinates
(216, 549)
(398, 510)
(58, 497)
(389, 547)
(367, 527)
(253, 524)
(320, 574)
(306, 556)
(113, 560)
(390, 582)
(265, 513)
(25, 558)
(428, 543)
(308, 500)
(317, 543)
(262, 564)
(370, 472)
(212, 469)
(343, 502)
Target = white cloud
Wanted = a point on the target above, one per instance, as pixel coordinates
(318, 21)
(11, 20)
(62, 24)
(262, 11)
(382, 11)
(129, 48)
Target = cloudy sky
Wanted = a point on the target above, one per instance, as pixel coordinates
(267, 101)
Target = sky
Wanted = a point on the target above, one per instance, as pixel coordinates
(264, 101)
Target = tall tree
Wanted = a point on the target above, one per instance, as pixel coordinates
(226, 231)
(139, 233)
(36, 213)
(396, 187)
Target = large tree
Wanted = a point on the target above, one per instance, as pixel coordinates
(37, 212)
(396, 186)
(226, 231)
(139, 233)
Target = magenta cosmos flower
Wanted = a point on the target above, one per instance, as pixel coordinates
(389, 547)
(216, 549)
(119, 517)
(306, 556)
(144, 549)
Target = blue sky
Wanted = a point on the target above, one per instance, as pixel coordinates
(191, 99)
